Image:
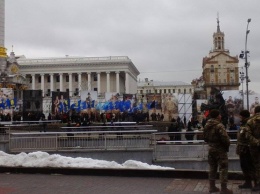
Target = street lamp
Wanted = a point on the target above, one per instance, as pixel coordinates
(244, 56)
(242, 77)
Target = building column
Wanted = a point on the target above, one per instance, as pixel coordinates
(98, 82)
(117, 82)
(61, 82)
(42, 84)
(89, 81)
(79, 83)
(108, 81)
(33, 81)
(126, 82)
(52, 88)
(70, 84)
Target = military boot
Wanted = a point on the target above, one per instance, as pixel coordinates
(212, 187)
(224, 189)
(247, 185)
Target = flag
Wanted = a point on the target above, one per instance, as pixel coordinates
(79, 107)
(93, 104)
(153, 104)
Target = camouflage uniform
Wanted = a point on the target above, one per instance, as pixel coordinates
(243, 151)
(254, 140)
(218, 141)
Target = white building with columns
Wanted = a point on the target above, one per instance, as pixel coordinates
(75, 74)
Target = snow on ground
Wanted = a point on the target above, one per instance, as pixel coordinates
(43, 159)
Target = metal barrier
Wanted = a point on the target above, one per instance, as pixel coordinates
(90, 140)
(4, 135)
(107, 127)
(183, 149)
(28, 125)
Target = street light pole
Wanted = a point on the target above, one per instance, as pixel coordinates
(242, 77)
(247, 64)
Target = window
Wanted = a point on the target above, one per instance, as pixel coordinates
(211, 68)
(67, 90)
(30, 80)
(67, 78)
(95, 77)
(39, 79)
(58, 90)
(76, 92)
(184, 91)
(95, 89)
(179, 90)
(164, 91)
(173, 91)
(76, 78)
(57, 78)
(48, 79)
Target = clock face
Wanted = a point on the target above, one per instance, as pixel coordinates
(14, 68)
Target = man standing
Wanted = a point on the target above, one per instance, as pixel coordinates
(254, 140)
(244, 152)
(254, 104)
(218, 141)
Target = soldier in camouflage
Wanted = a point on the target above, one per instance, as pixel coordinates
(254, 140)
(243, 151)
(218, 141)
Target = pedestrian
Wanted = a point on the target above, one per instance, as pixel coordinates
(173, 128)
(218, 141)
(232, 128)
(253, 124)
(243, 151)
(189, 133)
(162, 117)
(43, 123)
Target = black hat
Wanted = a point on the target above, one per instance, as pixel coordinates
(245, 113)
(214, 113)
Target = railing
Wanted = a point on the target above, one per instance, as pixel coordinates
(108, 127)
(183, 149)
(27, 125)
(4, 135)
(88, 140)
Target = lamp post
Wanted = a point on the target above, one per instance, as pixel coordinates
(242, 77)
(247, 64)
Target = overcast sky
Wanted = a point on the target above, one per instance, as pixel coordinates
(165, 39)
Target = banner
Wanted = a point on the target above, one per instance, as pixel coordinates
(60, 102)
(7, 100)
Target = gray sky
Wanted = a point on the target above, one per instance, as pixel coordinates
(165, 39)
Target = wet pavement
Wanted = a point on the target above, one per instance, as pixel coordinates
(85, 184)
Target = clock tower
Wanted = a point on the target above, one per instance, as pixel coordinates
(220, 69)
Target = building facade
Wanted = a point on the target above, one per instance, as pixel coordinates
(76, 74)
(157, 87)
(220, 69)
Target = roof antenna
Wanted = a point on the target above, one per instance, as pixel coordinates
(218, 28)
